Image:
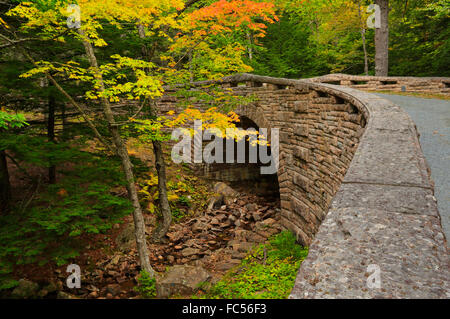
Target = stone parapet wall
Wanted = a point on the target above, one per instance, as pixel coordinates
(440, 85)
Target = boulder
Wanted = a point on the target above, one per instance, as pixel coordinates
(181, 280)
(225, 190)
(25, 289)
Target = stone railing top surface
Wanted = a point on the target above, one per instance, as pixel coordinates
(340, 76)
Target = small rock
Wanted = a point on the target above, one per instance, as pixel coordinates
(225, 225)
(115, 260)
(269, 221)
(113, 289)
(52, 287)
(43, 293)
(93, 294)
(190, 252)
(65, 295)
(171, 259)
(254, 237)
(228, 265)
(238, 255)
(244, 247)
(199, 226)
(175, 236)
(214, 202)
(221, 217)
(256, 216)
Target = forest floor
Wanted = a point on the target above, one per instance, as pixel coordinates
(238, 231)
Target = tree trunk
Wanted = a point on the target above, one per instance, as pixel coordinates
(160, 165)
(382, 40)
(163, 225)
(51, 134)
(363, 37)
(63, 119)
(5, 186)
(122, 152)
(250, 45)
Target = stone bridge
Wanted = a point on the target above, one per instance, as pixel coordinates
(354, 187)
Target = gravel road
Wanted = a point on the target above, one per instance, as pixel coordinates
(432, 118)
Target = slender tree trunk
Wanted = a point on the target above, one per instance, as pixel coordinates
(122, 152)
(51, 133)
(250, 45)
(164, 206)
(363, 37)
(63, 118)
(191, 73)
(5, 186)
(382, 40)
(163, 225)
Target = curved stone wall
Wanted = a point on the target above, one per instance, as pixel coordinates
(439, 85)
(355, 186)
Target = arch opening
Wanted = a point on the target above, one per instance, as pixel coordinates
(242, 168)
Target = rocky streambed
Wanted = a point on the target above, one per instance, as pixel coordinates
(197, 250)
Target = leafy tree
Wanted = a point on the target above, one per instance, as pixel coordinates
(173, 26)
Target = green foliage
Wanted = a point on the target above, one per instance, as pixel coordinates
(146, 285)
(8, 120)
(420, 39)
(287, 52)
(318, 37)
(268, 272)
(184, 194)
(81, 203)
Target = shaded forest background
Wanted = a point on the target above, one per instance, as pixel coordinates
(322, 37)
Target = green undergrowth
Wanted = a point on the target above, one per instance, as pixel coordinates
(146, 285)
(268, 272)
(52, 226)
(186, 194)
